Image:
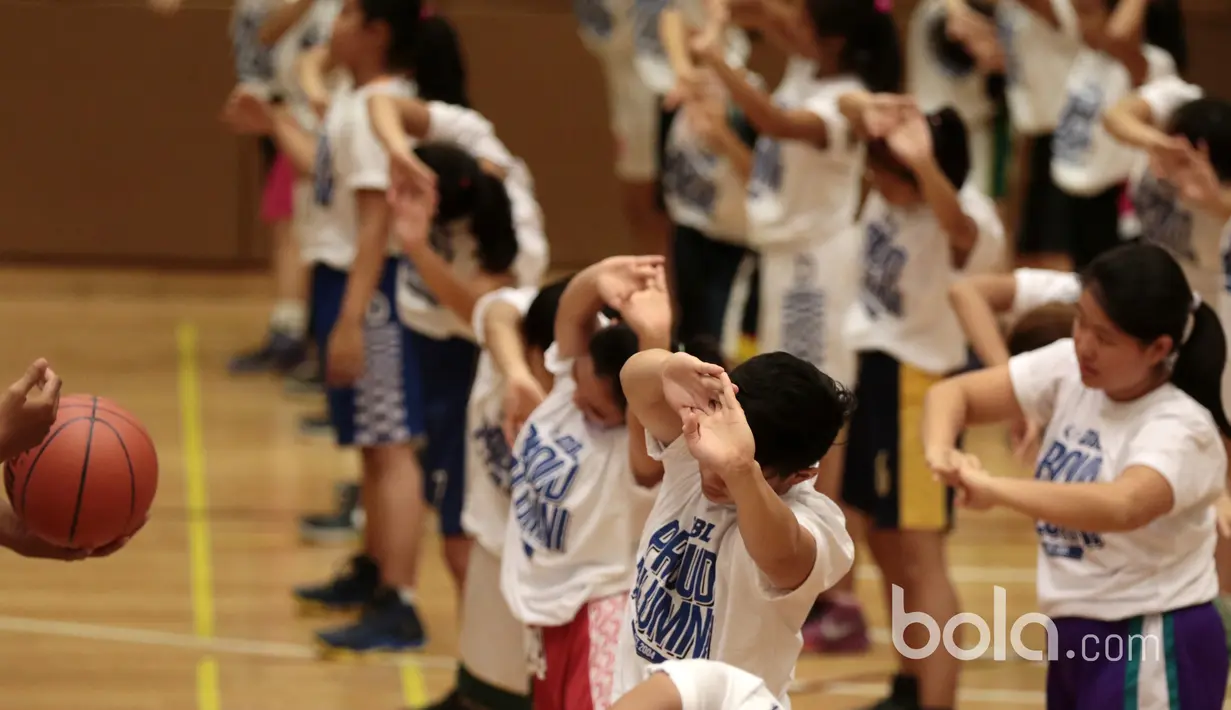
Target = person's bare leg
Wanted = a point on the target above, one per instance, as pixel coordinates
(290, 283)
(886, 549)
(457, 559)
(285, 344)
(393, 495)
(837, 623)
(929, 589)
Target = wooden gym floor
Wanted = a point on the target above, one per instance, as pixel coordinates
(196, 612)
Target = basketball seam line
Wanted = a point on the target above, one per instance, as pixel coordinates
(85, 468)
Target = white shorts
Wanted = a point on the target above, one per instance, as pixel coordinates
(635, 113)
(805, 292)
(492, 642)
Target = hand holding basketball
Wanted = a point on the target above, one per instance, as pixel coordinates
(28, 409)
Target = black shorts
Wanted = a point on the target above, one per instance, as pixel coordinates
(885, 475)
(1041, 205)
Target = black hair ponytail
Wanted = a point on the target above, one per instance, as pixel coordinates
(439, 65)
(402, 18)
(1144, 292)
(491, 223)
(872, 50)
(1199, 364)
(538, 327)
(1207, 120)
(466, 191)
(1164, 28)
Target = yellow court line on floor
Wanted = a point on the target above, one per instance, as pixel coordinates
(197, 499)
(414, 690)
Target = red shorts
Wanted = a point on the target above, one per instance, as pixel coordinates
(580, 657)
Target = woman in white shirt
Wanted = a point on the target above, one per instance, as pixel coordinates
(1039, 42)
(1089, 166)
(1131, 464)
(1181, 197)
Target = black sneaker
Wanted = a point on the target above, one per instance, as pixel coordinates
(279, 353)
(452, 701)
(306, 378)
(387, 625)
(316, 425)
(341, 525)
(350, 589)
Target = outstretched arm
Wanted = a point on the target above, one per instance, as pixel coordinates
(976, 300)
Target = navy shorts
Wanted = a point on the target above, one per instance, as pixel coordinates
(448, 368)
(385, 406)
(886, 476)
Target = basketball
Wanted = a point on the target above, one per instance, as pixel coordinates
(91, 481)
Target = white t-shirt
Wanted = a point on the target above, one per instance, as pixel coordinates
(710, 685)
(312, 30)
(1036, 56)
(577, 510)
(1193, 236)
(902, 307)
(799, 193)
(1168, 564)
(470, 131)
(489, 460)
(933, 86)
(1086, 160)
(699, 594)
(652, 64)
(254, 65)
(1035, 288)
(701, 188)
(348, 158)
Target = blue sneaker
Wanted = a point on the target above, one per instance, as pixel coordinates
(351, 589)
(387, 625)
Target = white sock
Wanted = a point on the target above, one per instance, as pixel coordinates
(289, 317)
(407, 595)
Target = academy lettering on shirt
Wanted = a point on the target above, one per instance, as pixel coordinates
(902, 307)
(469, 130)
(710, 685)
(697, 586)
(577, 510)
(1166, 565)
(701, 188)
(1193, 236)
(349, 158)
(1086, 160)
(1035, 53)
(489, 458)
(799, 193)
(652, 64)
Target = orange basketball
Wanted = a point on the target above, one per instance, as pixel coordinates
(91, 481)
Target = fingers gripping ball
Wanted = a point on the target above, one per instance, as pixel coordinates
(92, 480)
